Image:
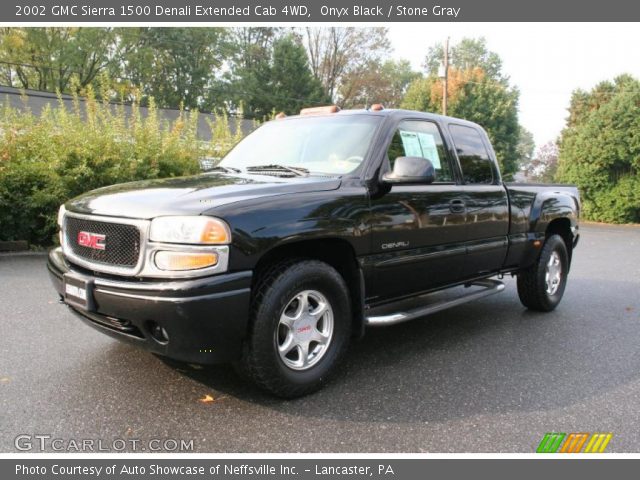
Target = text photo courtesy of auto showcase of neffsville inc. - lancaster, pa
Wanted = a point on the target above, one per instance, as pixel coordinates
(303, 237)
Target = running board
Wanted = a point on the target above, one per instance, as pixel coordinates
(489, 287)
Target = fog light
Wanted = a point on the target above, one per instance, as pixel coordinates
(158, 333)
(175, 261)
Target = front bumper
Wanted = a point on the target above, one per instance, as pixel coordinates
(205, 319)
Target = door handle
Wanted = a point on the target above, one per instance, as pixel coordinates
(457, 206)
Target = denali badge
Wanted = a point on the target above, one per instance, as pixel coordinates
(387, 246)
(92, 240)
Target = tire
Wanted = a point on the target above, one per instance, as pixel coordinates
(286, 315)
(536, 292)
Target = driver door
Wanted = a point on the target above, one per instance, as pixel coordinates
(418, 231)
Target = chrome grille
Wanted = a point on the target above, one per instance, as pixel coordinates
(122, 242)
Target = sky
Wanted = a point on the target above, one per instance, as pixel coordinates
(546, 61)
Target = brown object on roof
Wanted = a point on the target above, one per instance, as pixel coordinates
(320, 110)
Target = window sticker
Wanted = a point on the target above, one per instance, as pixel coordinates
(411, 144)
(429, 149)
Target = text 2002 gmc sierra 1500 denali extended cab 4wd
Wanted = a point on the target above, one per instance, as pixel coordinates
(310, 229)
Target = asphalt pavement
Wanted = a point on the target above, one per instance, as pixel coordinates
(488, 376)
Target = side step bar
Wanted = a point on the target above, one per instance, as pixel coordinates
(489, 287)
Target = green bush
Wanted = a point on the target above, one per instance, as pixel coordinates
(63, 152)
(618, 204)
(600, 150)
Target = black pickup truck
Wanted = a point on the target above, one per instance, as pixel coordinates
(311, 229)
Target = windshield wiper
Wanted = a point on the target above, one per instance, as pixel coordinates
(224, 169)
(279, 170)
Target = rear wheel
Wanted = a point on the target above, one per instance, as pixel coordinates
(541, 286)
(301, 323)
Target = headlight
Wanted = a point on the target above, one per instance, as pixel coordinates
(190, 230)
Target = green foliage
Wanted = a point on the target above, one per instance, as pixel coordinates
(525, 147)
(274, 75)
(468, 54)
(379, 82)
(175, 66)
(347, 60)
(544, 164)
(53, 58)
(292, 85)
(248, 70)
(618, 204)
(47, 159)
(224, 136)
(600, 150)
(421, 95)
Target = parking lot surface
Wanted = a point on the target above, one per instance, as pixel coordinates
(488, 376)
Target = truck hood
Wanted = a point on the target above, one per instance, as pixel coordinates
(190, 195)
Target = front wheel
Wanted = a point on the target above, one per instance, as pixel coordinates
(541, 286)
(301, 323)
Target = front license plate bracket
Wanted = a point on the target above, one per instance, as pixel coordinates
(78, 292)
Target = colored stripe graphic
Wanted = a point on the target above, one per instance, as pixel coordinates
(574, 442)
(598, 442)
(550, 442)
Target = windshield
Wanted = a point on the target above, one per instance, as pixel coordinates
(331, 145)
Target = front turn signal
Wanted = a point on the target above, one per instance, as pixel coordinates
(215, 232)
(177, 261)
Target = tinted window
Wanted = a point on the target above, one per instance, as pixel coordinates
(420, 139)
(474, 158)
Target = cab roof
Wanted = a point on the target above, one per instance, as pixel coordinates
(393, 113)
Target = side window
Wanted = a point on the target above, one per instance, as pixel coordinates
(474, 159)
(415, 138)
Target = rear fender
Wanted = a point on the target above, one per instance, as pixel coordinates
(549, 206)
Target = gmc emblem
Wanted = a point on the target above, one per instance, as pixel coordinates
(92, 240)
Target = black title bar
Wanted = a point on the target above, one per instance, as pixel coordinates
(319, 469)
(335, 11)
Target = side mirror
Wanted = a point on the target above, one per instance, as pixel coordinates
(411, 170)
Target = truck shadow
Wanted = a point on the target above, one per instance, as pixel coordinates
(491, 356)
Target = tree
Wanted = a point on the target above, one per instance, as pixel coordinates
(250, 68)
(543, 166)
(270, 72)
(175, 66)
(525, 147)
(600, 150)
(336, 53)
(384, 83)
(475, 96)
(292, 86)
(54, 58)
(468, 54)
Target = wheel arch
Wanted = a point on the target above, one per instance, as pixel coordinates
(562, 227)
(550, 206)
(338, 253)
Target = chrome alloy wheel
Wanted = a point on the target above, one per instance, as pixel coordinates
(553, 273)
(305, 330)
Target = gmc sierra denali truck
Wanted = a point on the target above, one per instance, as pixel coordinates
(311, 229)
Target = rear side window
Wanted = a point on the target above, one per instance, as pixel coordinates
(416, 138)
(474, 158)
